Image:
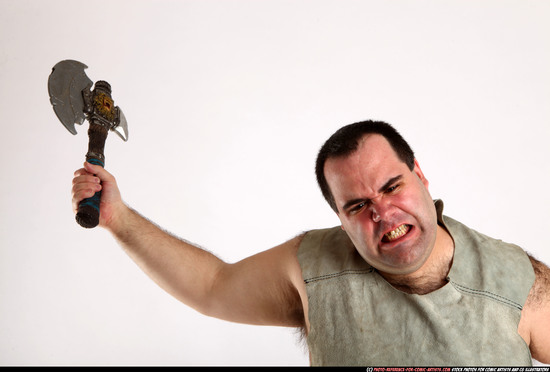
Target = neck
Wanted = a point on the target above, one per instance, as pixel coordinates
(433, 274)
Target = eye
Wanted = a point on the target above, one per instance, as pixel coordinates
(357, 207)
(391, 189)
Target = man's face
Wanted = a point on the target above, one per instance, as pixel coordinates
(384, 207)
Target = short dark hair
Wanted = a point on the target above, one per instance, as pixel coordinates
(345, 141)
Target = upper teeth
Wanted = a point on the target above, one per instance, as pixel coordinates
(397, 233)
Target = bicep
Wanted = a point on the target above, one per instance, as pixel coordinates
(263, 289)
(538, 307)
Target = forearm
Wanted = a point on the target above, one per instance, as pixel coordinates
(185, 271)
(182, 269)
(266, 288)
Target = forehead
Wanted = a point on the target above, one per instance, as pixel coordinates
(372, 164)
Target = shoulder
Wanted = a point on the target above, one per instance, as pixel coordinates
(535, 323)
(316, 244)
(540, 292)
(327, 239)
(325, 252)
(490, 265)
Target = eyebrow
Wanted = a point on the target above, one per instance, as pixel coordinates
(390, 182)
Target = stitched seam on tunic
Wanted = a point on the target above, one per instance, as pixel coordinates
(487, 294)
(336, 275)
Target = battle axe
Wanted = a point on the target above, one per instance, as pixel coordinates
(73, 101)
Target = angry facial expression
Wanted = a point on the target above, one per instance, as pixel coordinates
(384, 207)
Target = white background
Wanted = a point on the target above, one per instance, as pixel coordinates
(228, 102)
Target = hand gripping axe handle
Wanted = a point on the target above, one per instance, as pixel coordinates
(73, 101)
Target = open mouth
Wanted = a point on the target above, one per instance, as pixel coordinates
(398, 233)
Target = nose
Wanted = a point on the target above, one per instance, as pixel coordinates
(379, 210)
(375, 216)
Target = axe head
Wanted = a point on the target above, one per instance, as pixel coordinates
(65, 86)
(122, 127)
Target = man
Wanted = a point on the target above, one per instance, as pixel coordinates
(397, 284)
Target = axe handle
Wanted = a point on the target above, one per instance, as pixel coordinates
(88, 209)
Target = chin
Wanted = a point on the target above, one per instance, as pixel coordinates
(403, 270)
(407, 266)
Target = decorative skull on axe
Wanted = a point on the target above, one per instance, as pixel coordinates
(73, 101)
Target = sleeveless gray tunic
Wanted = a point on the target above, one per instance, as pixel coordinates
(357, 318)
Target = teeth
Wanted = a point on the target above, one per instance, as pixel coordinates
(397, 233)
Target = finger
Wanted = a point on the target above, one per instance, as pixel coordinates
(86, 178)
(80, 172)
(83, 191)
(81, 194)
(80, 186)
(98, 170)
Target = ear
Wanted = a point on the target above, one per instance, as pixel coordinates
(419, 173)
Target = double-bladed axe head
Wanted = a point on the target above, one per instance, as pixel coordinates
(73, 102)
(67, 86)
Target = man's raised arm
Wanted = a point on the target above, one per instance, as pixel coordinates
(265, 289)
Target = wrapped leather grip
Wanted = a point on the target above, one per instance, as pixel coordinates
(88, 209)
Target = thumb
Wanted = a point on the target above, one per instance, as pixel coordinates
(98, 170)
(107, 179)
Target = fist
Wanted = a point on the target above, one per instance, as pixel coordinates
(91, 179)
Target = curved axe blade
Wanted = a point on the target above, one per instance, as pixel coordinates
(65, 86)
(122, 127)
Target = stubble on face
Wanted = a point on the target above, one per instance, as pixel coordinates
(384, 207)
